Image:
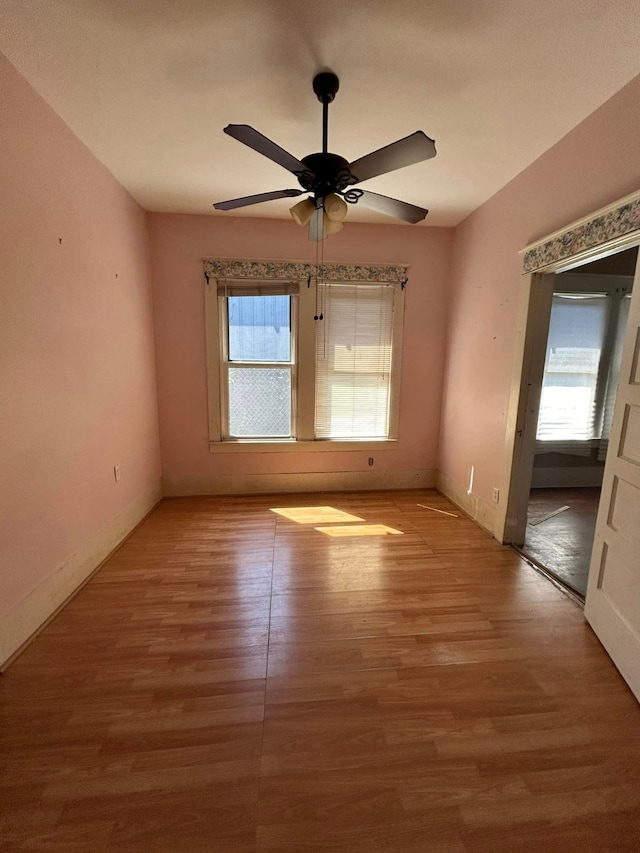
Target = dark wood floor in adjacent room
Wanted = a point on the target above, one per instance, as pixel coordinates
(563, 543)
(235, 681)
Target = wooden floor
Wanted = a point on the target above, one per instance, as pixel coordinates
(563, 543)
(234, 680)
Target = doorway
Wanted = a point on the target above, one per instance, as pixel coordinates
(578, 362)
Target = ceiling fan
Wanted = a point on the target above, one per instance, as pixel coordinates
(329, 178)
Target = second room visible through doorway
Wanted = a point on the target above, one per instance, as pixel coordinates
(584, 348)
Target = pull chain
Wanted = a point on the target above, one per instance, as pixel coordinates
(317, 314)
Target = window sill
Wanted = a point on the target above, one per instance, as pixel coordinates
(301, 446)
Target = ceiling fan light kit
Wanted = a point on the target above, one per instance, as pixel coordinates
(331, 226)
(335, 207)
(302, 211)
(329, 178)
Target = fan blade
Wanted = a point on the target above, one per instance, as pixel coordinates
(405, 152)
(256, 199)
(392, 207)
(260, 143)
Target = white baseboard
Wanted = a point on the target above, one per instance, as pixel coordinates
(567, 478)
(482, 513)
(23, 621)
(317, 481)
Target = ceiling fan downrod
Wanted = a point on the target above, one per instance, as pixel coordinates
(325, 85)
(326, 173)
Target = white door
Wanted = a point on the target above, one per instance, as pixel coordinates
(613, 594)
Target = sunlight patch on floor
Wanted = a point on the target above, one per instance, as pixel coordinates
(315, 514)
(360, 530)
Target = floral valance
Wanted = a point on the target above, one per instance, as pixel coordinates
(614, 222)
(217, 268)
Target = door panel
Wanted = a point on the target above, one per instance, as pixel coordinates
(613, 595)
(630, 441)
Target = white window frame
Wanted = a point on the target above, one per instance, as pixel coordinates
(226, 363)
(303, 378)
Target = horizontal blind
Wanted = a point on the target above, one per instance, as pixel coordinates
(574, 349)
(353, 361)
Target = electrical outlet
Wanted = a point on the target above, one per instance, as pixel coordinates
(496, 495)
(116, 473)
(370, 461)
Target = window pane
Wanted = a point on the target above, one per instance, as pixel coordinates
(576, 335)
(259, 328)
(259, 402)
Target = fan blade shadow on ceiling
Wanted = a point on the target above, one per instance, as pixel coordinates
(405, 152)
(247, 200)
(263, 145)
(392, 207)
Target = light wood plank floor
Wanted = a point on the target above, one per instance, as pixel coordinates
(233, 680)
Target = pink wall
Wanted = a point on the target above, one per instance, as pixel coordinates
(77, 374)
(77, 377)
(595, 164)
(178, 244)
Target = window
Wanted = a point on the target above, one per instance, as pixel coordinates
(353, 362)
(586, 332)
(574, 348)
(278, 378)
(258, 362)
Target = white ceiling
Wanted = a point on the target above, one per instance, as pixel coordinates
(148, 86)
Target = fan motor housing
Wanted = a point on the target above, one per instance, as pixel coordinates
(326, 85)
(328, 173)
